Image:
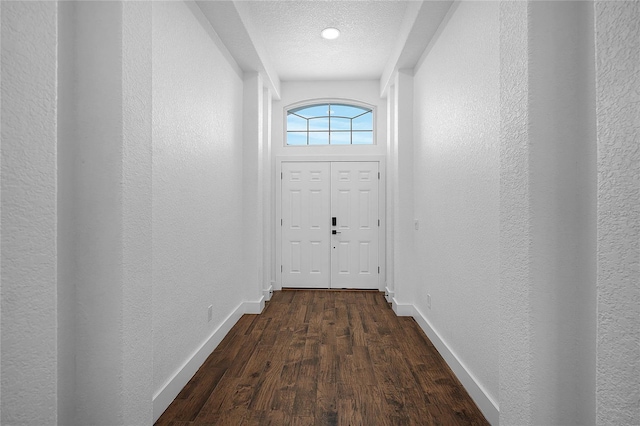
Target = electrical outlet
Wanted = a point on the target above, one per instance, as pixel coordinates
(210, 313)
(429, 301)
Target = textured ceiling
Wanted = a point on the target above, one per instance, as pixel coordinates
(290, 34)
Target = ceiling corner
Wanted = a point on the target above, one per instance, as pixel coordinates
(420, 24)
(233, 26)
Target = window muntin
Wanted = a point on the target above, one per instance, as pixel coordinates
(318, 138)
(295, 122)
(329, 124)
(318, 123)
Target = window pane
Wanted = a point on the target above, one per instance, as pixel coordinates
(319, 124)
(340, 123)
(296, 123)
(340, 138)
(346, 110)
(318, 138)
(296, 138)
(313, 111)
(362, 138)
(364, 122)
(324, 124)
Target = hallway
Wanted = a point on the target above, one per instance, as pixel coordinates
(144, 147)
(318, 357)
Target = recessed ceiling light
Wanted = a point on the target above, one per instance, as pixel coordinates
(330, 33)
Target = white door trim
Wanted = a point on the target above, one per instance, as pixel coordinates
(382, 167)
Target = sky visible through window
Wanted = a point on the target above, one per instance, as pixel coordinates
(329, 124)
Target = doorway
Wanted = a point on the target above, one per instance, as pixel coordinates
(330, 224)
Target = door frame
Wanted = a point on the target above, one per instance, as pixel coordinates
(382, 203)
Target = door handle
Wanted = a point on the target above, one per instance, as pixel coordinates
(334, 232)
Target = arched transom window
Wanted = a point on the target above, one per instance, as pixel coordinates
(330, 124)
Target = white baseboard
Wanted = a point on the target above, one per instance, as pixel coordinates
(254, 307)
(402, 309)
(388, 294)
(165, 396)
(267, 293)
(487, 405)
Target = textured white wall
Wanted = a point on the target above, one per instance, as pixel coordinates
(562, 181)
(515, 239)
(618, 198)
(253, 199)
(0, 217)
(456, 181)
(268, 237)
(197, 187)
(390, 193)
(403, 275)
(547, 214)
(137, 343)
(79, 162)
(29, 217)
(66, 216)
(112, 213)
(98, 213)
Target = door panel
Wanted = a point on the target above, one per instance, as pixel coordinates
(305, 225)
(312, 193)
(354, 247)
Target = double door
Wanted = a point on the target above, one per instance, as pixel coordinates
(330, 225)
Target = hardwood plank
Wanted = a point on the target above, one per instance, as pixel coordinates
(283, 400)
(212, 409)
(326, 403)
(348, 413)
(268, 384)
(324, 358)
(188, 408)
(302, 421)
(277, 418)
(306, 384)
(363, 366)
(304, 404)
(328, 367)
(239, 361)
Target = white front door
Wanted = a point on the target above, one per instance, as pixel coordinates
(354, 204)
(315, 252)
(305, 225)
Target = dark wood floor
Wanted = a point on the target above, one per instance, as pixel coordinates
(324, 358)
